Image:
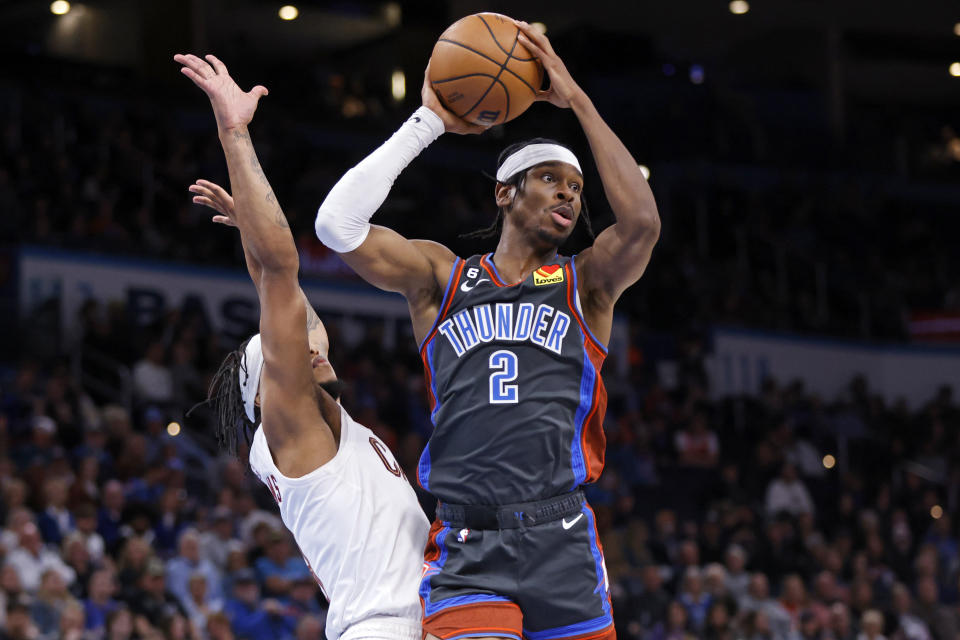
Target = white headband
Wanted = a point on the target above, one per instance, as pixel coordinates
(250, 379)
(532, 155)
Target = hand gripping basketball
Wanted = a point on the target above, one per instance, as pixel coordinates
(563, 88)
(451, 123)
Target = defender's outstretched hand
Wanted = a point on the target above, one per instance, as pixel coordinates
(563, 88)
(451, 123)
(212, 195)
(231, 106)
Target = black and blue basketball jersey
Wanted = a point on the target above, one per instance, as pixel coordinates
(514, 378)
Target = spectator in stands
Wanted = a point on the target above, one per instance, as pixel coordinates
(303, 598)
(85, 521)
(309, 627)
(152, 600)
(787, 493)
(55, 521)
(72, 624)
(75, 554)
(10, 590)
(120, 624)
(718, 626)
(110, 515)
(152, 378)
(215, 541)
(170, 523)
(39, 451)
(793, 598)
(825, 593)
(31, 560)
(17, 518)
(252, 618)
(100, 603)
(650, 607)
(187, 563)
(810, 627)
(938, 618)
(674, 627)
(738, 580)
(841, 625)
(871, 626)
(19, 626)
(49, 603)
(694, 599)
(199, 605)
(756, 626)
(908, 626)
(758, 599)
(278, 568)
(696, 444)
(218, 627)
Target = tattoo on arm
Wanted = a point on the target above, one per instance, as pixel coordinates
(278, 217)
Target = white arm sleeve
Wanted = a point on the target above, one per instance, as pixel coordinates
(343, 219)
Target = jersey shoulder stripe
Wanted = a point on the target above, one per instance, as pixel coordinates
(573, 301)
(486, 261)
(448, 296)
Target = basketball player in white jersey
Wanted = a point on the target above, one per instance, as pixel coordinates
(339, 489)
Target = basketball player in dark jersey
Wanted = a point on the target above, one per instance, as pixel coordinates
(512, 344)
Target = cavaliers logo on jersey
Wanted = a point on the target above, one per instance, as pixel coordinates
(549, 274)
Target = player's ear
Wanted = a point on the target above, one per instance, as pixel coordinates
(504, 193)
(256, 400)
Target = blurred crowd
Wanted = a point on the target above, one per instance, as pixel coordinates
(781, 515)
(758, 239)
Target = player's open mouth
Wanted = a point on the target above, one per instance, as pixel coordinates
(317, 361)
(563, 216)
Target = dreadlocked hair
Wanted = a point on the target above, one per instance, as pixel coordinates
(519, 180)
(226, 398)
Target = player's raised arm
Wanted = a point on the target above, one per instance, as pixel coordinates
(212, 195)
(621, 252)
(287, 396)
(416, 268)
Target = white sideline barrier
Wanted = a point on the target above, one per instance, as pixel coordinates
(152, 288)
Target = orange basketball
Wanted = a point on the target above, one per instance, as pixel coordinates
(481, 71)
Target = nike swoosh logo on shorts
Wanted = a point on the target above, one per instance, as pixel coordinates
(465, 288)
(567, 525)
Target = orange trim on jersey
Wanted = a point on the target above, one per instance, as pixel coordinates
(445, 305)
(493, 273)
(451, 294)
(479, 618)
(593, 440)
(607, 633)
(572, 303)
(432, 551)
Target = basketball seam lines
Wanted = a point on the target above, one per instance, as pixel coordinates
(496, 80)
(500, 46)
(486, 57)
(468, 75)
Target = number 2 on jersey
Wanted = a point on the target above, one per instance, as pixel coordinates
(503, 363)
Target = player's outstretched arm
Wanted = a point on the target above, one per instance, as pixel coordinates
(416, 268)
(287, 398)
(212, 195)
(621, 252)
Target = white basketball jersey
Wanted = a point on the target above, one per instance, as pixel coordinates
(359, 527)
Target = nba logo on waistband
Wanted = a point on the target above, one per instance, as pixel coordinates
(550, 274)
(462, 536)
